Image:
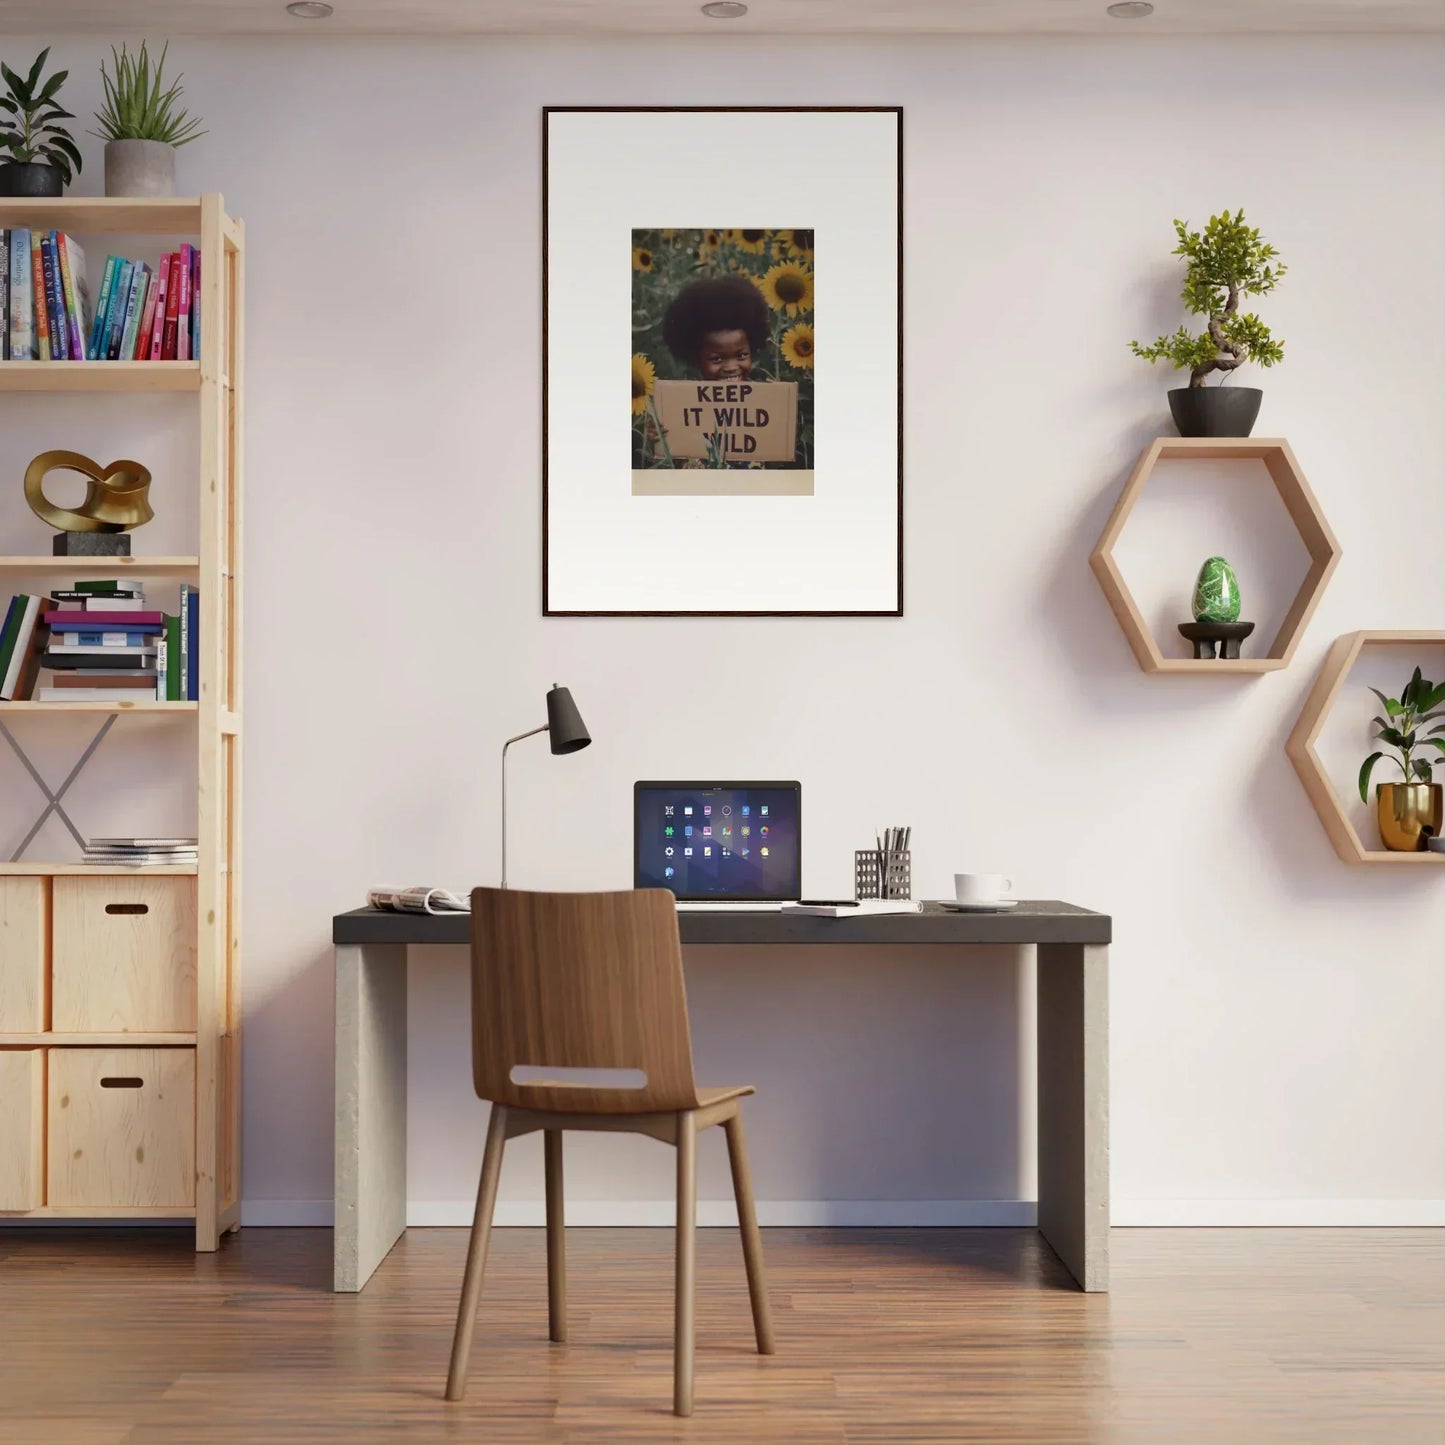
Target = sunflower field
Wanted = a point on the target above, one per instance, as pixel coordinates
(778, 262)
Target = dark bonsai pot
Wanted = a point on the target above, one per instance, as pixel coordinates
(30, 178)
(1215, 411)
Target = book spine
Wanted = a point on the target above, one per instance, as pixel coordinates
(193, 652)
(7, 633)
(110, 639)
(4, 295)
(96, 350)
(22, 316)
(141, 350)
(185, 668)
(173, 659)
(133, 309)
(119, 299)
(24, 658)
(55, 296)
(37, 290)
(168, 343)
(183, 307)
(158, 323)
(162, 648)
(69, 254)
(195, 303)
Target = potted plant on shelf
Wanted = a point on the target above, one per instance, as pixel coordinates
(42, 155)
(1409, 812)
(141, 125)
(1225, 263)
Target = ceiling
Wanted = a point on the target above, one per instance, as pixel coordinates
(677, 17)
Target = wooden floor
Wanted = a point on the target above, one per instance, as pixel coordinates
(1210, 1337)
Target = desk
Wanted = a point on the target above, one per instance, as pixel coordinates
(1073, 1056)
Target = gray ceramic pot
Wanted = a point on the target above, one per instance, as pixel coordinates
(1215, 411)
(140, 168)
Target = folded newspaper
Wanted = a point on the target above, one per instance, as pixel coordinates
(418, 900)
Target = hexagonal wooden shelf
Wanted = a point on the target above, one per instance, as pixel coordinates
(1304, 512)
(1301, 747)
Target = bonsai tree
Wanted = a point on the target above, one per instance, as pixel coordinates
(1225, 263)
(1421, 702)
(28, 129)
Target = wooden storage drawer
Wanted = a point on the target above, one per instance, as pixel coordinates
(121, 1127)
(24, 939)
(124, 956)
(22, 1128)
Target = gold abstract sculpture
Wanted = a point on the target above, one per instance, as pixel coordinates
(115, 496)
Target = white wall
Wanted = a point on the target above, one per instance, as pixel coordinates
(1276, 1016)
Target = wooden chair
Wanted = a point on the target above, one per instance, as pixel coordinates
(593, 981)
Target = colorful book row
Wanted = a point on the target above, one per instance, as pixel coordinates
(140, 313)
(101, 654)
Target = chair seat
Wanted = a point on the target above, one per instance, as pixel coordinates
(707, 1097)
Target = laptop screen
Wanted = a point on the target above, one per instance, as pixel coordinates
(724, 841)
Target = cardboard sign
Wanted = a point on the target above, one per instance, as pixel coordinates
(739, 421)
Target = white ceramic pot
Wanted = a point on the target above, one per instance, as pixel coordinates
(140, 168)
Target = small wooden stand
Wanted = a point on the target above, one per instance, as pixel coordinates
(1206, 636)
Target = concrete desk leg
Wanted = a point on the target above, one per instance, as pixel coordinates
(1073, 1047)
(370, 1108)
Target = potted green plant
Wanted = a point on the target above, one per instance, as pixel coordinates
(142, 125)
(1409, 812)
(1224, 263)
(42, 158)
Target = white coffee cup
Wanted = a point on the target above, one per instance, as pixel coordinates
(981, 887)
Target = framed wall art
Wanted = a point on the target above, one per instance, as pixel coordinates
(746, 264)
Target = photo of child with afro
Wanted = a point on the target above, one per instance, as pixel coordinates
(724, 306)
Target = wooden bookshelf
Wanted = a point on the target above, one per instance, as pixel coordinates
(44, 899)
(100, 375)
(1300, 747)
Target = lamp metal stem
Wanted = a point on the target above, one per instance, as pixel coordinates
(530, 734)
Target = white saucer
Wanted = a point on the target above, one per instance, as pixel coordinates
(1002, 906)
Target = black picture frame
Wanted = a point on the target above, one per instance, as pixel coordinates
(547, 112)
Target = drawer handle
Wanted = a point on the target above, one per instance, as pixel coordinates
(114, 1082)
(127, 908)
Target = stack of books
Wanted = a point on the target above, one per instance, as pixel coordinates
(141, 852)
(102, 644)
(141, 313)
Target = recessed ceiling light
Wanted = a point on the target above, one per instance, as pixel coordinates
(1131, 9)
(725, 9)
(309, 9)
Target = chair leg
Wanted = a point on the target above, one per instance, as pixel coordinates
(748, 1228)
(477, 1253)
(684, 1322)
(556, 1239)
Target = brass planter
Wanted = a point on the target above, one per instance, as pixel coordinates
(1409, 814)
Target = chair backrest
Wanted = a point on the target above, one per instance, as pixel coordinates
(579, 981)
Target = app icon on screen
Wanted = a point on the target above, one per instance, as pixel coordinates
(763, 811)
(763, 831)
(746, 830)
(727, 809)
(726, 854)
(763, 851)
(745, 810)
(687, 830)
(707, 852)
(743, 851)
(707, 830)
(667, 810)
(669, 830)
(669, 850)
(687, 852)
(669, 872)
(687, 811)
(707, 810)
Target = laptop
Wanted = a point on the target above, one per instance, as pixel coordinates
(720, 845)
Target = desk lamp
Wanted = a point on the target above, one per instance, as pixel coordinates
(567, 734)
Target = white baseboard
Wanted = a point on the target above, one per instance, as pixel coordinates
(1277, 1213)
(896, 1213)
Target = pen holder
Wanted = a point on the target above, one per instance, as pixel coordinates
(882, 875)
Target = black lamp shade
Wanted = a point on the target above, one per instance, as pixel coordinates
(565, 729)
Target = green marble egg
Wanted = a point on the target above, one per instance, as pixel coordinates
(1216, 593)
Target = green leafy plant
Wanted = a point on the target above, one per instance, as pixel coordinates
(1225, 263)
(1421, 702)
(28, 129)
(138, 103)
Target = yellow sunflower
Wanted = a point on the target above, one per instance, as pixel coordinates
(798, 345)
(668, 235)
(795, 244)
(754, 242)
(789, 288)
(709, 243)
(644, 373)
(642, 258)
